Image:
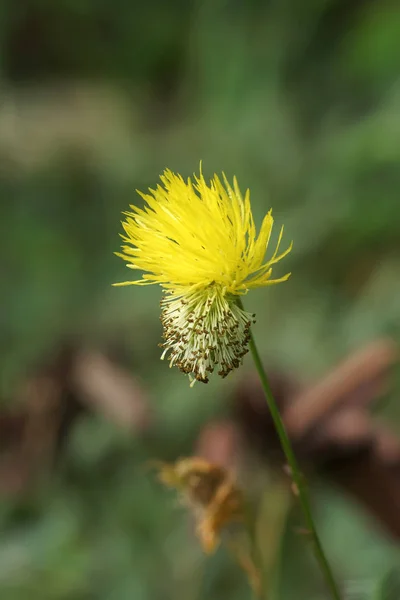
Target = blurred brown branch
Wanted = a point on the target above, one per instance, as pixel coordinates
(49, 402)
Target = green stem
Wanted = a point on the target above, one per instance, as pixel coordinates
(295, 470)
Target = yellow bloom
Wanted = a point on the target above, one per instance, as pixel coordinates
(199, 243)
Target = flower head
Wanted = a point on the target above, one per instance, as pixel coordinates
(210, 492)
(199, 243)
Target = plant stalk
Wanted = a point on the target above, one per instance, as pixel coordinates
(295, 470)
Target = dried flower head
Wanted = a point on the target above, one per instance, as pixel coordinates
(210, 492)
(199, 243)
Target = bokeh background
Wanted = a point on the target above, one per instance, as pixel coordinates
(301, 100)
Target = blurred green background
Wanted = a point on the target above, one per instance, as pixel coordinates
(301, 100)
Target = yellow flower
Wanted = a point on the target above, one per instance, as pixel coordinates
(199, 243)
